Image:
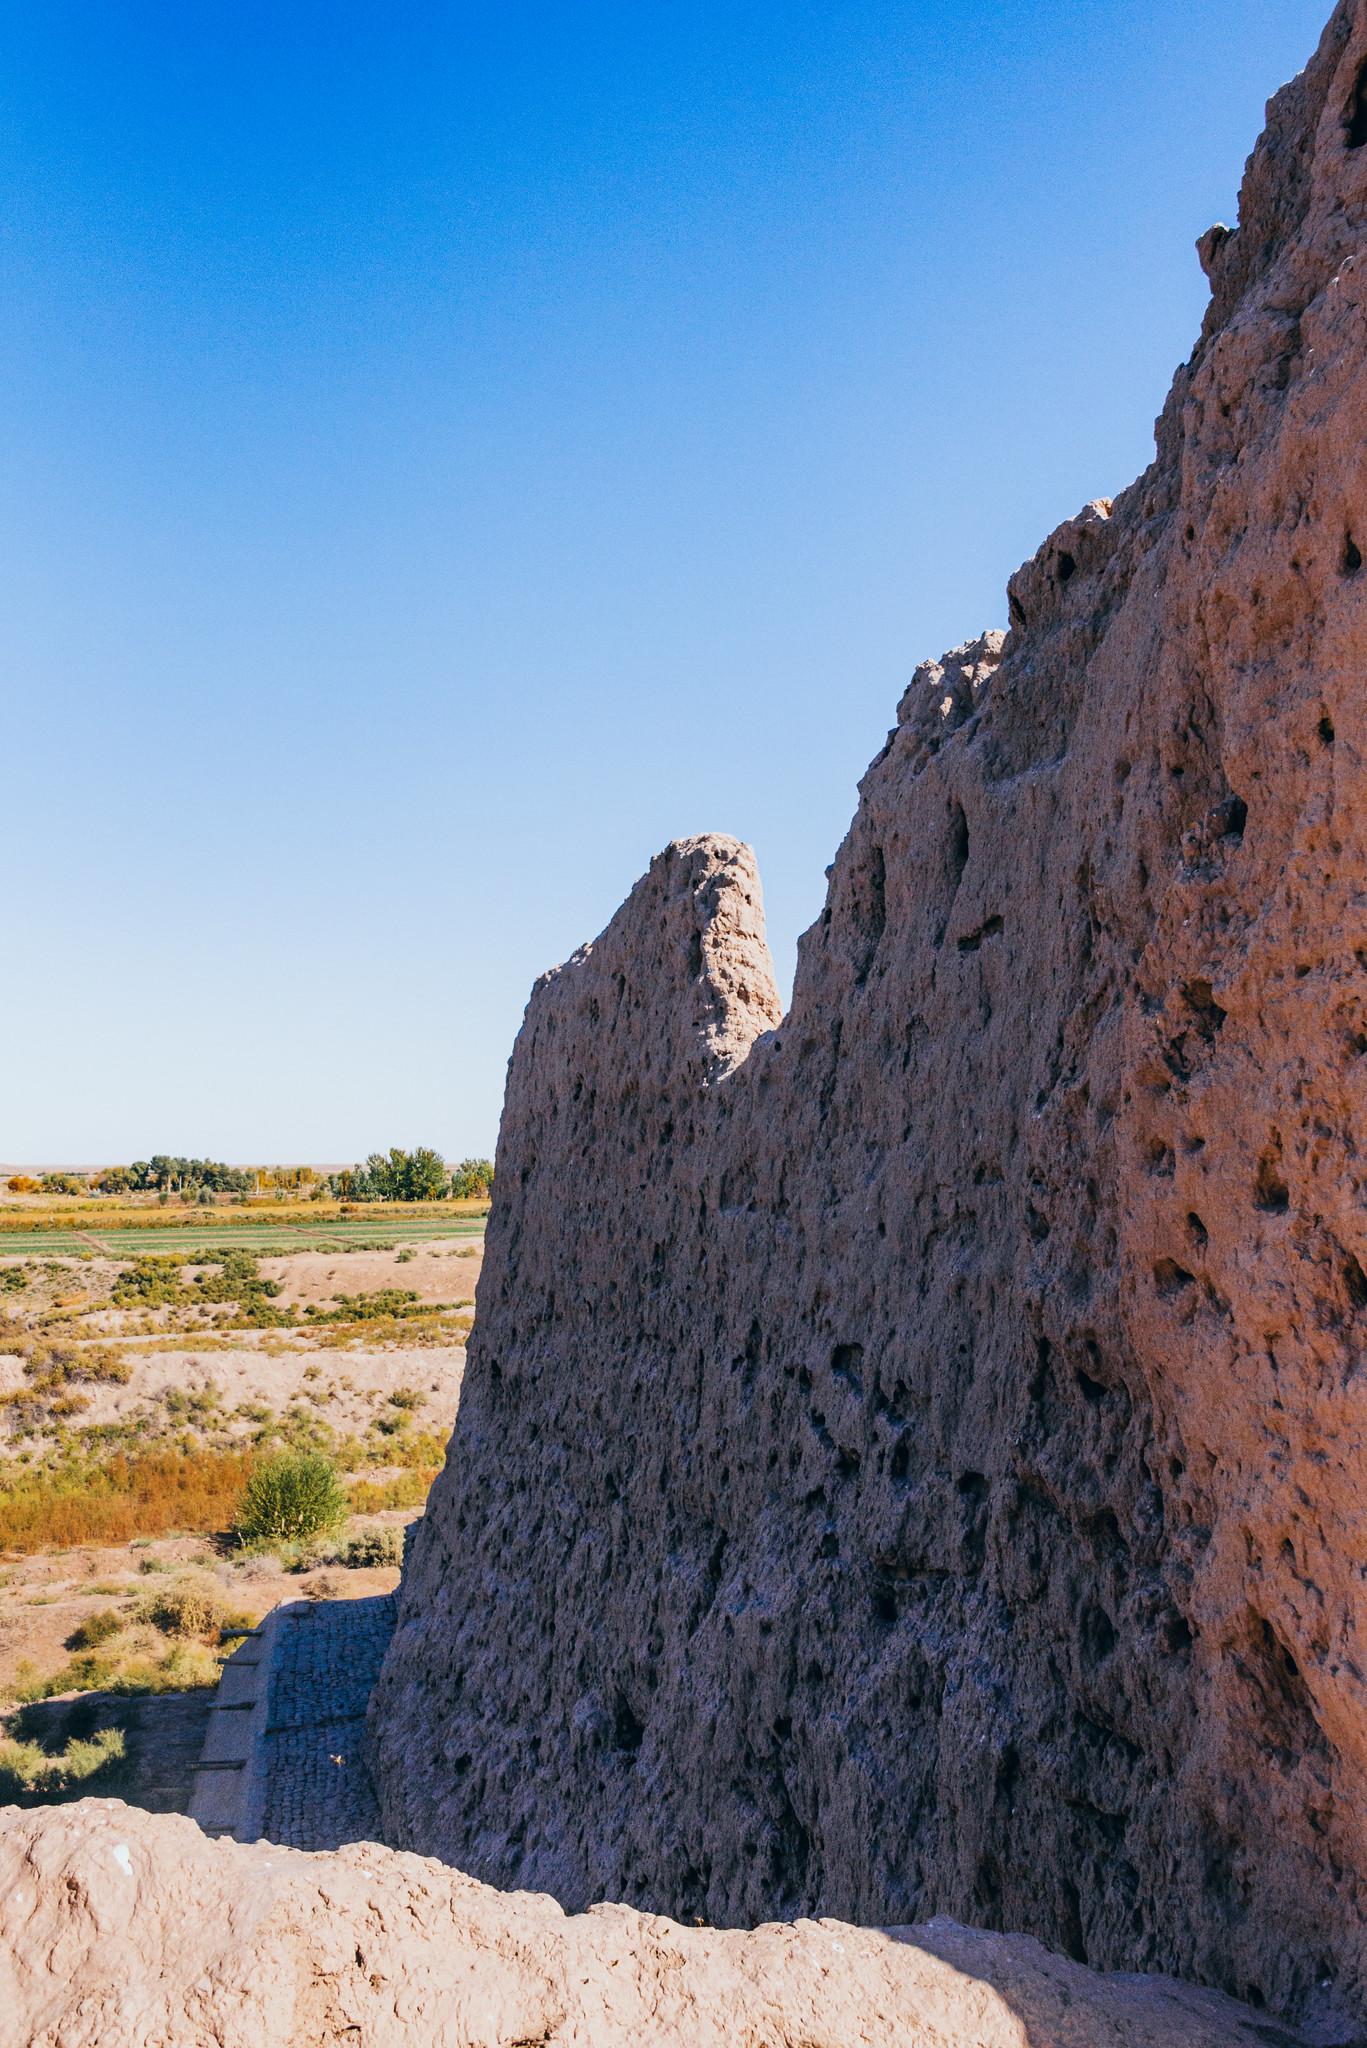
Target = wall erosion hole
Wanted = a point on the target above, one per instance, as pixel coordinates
(1232, 816)
(1270, 1192)
(1355, 1280)
(628, 1729)
(1357, 111)
(1171, 1279)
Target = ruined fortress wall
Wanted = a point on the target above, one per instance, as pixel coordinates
(911, 1456)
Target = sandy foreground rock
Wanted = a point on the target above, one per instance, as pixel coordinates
(124, 1930)
(911, 1456)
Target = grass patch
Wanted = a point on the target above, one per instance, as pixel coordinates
(25, 1768)
(433, 1329)
(58, 1365)
(264, 1228)
(182, 1668)
(53, 1371)
(384, 1304)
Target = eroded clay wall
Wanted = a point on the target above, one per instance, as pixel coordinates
(911, 1456)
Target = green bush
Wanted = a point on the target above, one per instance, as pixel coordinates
(289, 1497)
(12, 1279)
(231, 1278)
(94, 1630)
(151, 1282)
(369, 1308)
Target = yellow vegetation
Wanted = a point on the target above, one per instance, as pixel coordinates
(125, 1497)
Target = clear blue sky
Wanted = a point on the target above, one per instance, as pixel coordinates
(452, 450)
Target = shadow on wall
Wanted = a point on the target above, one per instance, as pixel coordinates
(162, 1733)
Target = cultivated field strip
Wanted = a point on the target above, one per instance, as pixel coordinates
(264, 1238)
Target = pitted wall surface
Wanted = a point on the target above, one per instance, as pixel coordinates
(910, 1458)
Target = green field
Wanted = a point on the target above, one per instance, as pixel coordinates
(263, 1238)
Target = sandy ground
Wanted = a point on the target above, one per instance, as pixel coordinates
(346, 1387)
(272, 1368)
(43, 1599)
(436, 1272)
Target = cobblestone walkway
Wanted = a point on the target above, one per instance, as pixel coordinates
(318, 1792)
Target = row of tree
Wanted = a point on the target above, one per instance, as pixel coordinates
(418, 1176)
(163, 1174)
(394, 1176)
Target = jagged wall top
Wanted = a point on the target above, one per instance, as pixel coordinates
(910, 1457)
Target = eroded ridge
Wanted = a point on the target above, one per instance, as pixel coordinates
(135, 1929)
(910, 1458)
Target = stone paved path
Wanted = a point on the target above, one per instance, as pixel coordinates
(317, 1790)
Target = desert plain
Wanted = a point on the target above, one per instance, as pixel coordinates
(143, 1376)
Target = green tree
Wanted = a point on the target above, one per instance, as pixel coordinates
(394, 1176)
(425, 1176)
(472, 1180)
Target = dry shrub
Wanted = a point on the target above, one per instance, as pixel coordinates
(123, 1498)
(52, 1365)
(423, 1451)
(187, 1607)
(371, 1547)
(184, 1667)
